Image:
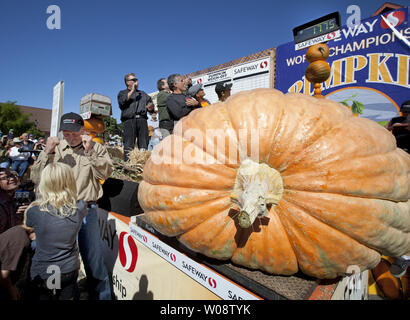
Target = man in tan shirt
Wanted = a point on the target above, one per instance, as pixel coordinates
(91, 163)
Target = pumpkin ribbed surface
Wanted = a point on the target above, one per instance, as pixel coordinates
(344, 187)
(317, 71)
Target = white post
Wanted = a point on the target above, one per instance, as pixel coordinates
(58, 105)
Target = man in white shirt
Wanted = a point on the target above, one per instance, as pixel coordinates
(19, 160)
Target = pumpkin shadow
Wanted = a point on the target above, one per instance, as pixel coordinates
(242, 234)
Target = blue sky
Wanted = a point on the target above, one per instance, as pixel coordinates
(100, 41)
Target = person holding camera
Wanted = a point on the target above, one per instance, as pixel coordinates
(19, 157)
(38, 147)
(28, 145)
(14, 235)
(40, 144)
(91, 163)
(400, 127)
(134, 105)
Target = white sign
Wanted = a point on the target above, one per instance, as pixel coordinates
(251, 68)
(326, 37)
(246, 76)
(221, 75)
(211, 280)
(58, 105)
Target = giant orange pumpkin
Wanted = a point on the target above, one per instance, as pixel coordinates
(315, 189)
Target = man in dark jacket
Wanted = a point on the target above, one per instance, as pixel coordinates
(134, 104)
(178, 104)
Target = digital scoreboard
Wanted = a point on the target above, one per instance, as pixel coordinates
(320, 30)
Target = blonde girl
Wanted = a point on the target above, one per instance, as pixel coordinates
(56, 218)
(57, 191)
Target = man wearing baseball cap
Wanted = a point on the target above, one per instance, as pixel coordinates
(223, 90)
(91, 163)
(197, 92)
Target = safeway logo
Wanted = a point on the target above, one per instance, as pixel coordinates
(263, 64)
(395, 18)
(212, 282)
(127, 252)
(331, 35)
(144, 238)
(173, 257)
(199, 81)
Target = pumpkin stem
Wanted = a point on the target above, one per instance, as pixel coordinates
(256, 186)
(322, 50)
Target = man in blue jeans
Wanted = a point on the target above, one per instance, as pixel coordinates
(91, 163)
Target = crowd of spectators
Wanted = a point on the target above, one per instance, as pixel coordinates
(18, 153)
(59, 222)
(146, 125)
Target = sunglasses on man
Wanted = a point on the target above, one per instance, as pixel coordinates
(134, 79)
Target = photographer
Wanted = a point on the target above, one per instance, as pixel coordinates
(19, 158)
(40, 144)
(14, 236)
(400, 127)
(27, 145)
(38, 147)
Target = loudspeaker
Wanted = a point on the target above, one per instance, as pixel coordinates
(120, 196)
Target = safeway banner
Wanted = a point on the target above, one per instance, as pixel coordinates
(206, 277)
(235, 72)
(369, 67)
